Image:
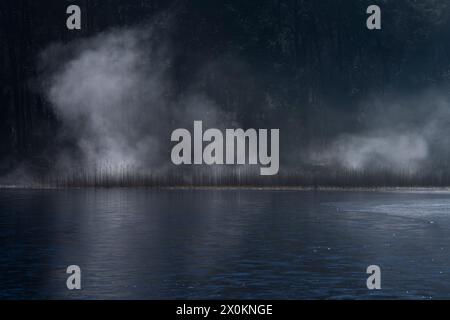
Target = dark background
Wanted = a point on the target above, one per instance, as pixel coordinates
(312, 62)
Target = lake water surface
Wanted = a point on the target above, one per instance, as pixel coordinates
(223, 244)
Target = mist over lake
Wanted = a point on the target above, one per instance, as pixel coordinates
(258, 149)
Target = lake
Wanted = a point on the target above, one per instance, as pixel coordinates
(223, 244)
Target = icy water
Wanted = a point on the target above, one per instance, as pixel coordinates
(223, 244)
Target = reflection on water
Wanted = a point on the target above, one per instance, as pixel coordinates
(146, 244)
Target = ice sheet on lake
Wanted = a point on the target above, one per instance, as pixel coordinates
(414, 208)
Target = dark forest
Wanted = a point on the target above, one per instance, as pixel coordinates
(355, 107)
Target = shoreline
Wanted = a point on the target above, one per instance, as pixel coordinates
(262, 188)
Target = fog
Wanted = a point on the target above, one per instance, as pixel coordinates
(113, 94)
(117, 98)
(399, 132)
